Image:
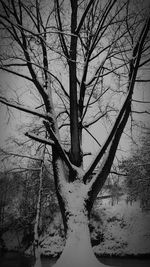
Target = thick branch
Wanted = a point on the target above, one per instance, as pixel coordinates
(145, 62)
(82, 85)
(16, 73)
(3, 67)
(132, 77)
(43, 42)
(142, 80)
(40, 139)
(22, 41)
(38, 206)
(74, 126)
(59, 147)
(84, 16)
(108, 140)
(25, 109)
(100, 177)
(108, 8)
(61, 35)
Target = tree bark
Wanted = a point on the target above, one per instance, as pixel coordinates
(37, 254)
(78, 250)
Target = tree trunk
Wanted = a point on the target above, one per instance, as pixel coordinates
(37, 256)
(78, 251)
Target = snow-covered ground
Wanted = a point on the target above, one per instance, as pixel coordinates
(124, 229)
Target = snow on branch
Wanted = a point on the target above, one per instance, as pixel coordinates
(60, 149)
(40, 139)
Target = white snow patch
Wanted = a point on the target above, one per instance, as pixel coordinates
(126, 229)
(52, 245)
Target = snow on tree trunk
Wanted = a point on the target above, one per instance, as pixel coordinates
(37, 254)
(78, 251)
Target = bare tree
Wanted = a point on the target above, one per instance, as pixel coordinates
(136, 167)
(38, 214)
(29, 175)
(78, 56)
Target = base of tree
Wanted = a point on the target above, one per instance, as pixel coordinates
(78, 260)
(38, 263)
(78, 251)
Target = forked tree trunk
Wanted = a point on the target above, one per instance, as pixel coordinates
(78, 251)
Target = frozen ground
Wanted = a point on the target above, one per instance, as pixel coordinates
(125, 230)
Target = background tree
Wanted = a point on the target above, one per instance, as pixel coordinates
(136, 167)
(82, 58)
(24, 188)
